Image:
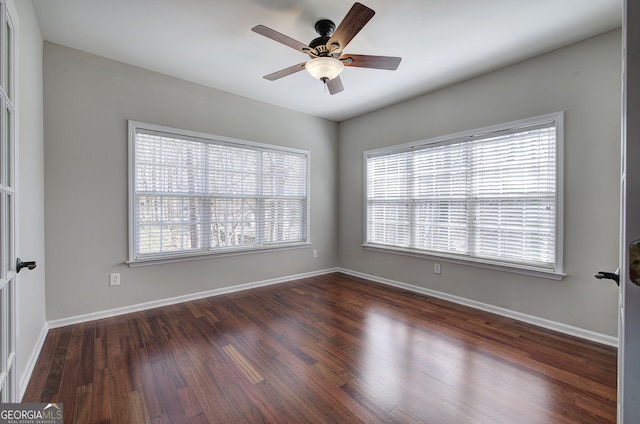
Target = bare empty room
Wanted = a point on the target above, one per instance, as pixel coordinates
(299, 211)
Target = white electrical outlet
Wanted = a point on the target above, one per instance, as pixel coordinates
(114, 279)
(436, 268)
(314, 253)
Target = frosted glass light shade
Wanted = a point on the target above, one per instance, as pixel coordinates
(324, 68)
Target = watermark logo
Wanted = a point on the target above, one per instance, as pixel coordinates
(31, 413)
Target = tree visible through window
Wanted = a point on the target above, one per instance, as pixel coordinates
(490, 195)
(194, 193)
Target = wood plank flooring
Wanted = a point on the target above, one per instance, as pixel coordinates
(327, 349)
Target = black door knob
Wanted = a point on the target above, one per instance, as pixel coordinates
(29, 265)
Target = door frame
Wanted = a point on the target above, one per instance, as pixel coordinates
(629, 301)
(8, 201)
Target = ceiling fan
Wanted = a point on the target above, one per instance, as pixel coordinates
(326, 52)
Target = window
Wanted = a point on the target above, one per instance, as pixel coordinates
(195, 194)
(490, 196)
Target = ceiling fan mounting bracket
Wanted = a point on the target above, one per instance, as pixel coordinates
(325, 27)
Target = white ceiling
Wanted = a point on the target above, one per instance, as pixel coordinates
(210, 42)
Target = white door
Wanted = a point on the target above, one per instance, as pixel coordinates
(8, 384)
(629, 321)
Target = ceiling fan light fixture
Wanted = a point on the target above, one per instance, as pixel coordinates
(324, 68)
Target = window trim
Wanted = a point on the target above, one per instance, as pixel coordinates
(557, 273)
(172, 257)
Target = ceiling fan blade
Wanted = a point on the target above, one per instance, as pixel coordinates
(335, 85)
(376, 62)
(284, 72)
(281, 38)
(356, 19)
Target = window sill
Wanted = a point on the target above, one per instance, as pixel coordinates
(518, 269)
(169, 258)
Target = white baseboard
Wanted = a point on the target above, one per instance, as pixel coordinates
(530, 319)
(541, 322)
(33, 358)
(63, 322)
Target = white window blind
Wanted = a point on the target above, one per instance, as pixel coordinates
(206, 194)
(490, 196)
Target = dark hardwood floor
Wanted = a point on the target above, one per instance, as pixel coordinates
(327, 349)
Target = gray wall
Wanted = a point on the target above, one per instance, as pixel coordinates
(87, 102)
(584, 80)
(31, 287)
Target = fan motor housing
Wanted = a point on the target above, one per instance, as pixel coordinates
(320, 45)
